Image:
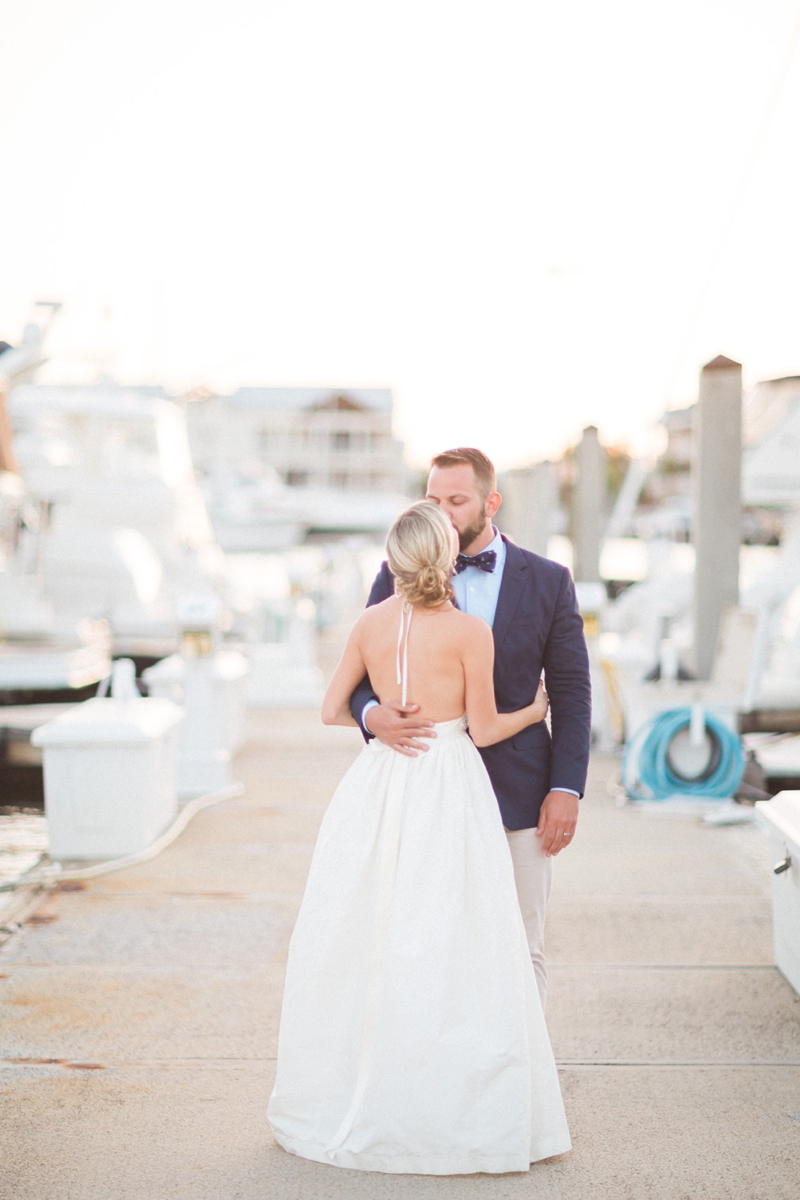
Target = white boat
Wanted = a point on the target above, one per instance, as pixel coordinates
(128, 530)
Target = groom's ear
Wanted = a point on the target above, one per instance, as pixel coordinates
(493, 502)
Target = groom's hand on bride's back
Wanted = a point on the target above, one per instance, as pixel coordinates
(396, 725)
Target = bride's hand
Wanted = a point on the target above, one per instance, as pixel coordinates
(540, 705)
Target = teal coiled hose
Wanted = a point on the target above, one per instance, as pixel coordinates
(646, 770)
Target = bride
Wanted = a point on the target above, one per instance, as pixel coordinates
(412, 1036)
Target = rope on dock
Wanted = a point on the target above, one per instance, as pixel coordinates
(53, 873)
(648, 775)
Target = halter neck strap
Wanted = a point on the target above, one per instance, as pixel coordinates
(406, 611)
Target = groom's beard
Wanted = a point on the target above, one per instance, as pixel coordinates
(467, 536)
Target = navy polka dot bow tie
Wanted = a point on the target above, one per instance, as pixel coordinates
(484, 561)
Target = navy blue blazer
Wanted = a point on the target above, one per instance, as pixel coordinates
(537, 627)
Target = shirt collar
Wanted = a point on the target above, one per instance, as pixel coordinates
(496, 543)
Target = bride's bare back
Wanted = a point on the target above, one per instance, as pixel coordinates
(436, 643)
(450, 664)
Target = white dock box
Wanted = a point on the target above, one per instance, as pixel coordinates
(780, 818)
(109, 776)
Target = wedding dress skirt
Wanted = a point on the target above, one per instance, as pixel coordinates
(412, 1036)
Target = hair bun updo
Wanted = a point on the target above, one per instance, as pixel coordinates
(420, 550)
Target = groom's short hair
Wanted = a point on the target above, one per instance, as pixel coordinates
(482, 466)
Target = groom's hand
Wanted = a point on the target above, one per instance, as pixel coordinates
(557, 821)
(395, 725)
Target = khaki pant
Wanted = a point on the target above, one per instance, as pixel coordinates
(533, 874)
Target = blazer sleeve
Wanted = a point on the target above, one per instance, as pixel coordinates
(381, 590)
(566, 664)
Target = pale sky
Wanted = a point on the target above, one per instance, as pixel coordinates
(508, 212)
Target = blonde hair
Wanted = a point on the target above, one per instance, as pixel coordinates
(420, 550)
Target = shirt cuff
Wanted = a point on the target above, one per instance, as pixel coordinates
(370, 704)
(552, 789)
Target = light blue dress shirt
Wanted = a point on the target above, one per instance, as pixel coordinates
(477, 592)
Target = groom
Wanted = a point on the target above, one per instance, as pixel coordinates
(530, 604)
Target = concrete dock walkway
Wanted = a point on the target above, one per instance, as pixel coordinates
(140, 1013)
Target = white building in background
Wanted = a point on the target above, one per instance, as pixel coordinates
(310, 437)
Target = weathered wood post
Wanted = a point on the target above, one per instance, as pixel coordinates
(530, 494)
(716, 526)
(589, 512)
(7, 459)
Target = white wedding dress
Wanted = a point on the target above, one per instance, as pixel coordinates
(412, 1036)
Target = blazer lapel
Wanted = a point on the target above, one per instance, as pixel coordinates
(511, 587)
